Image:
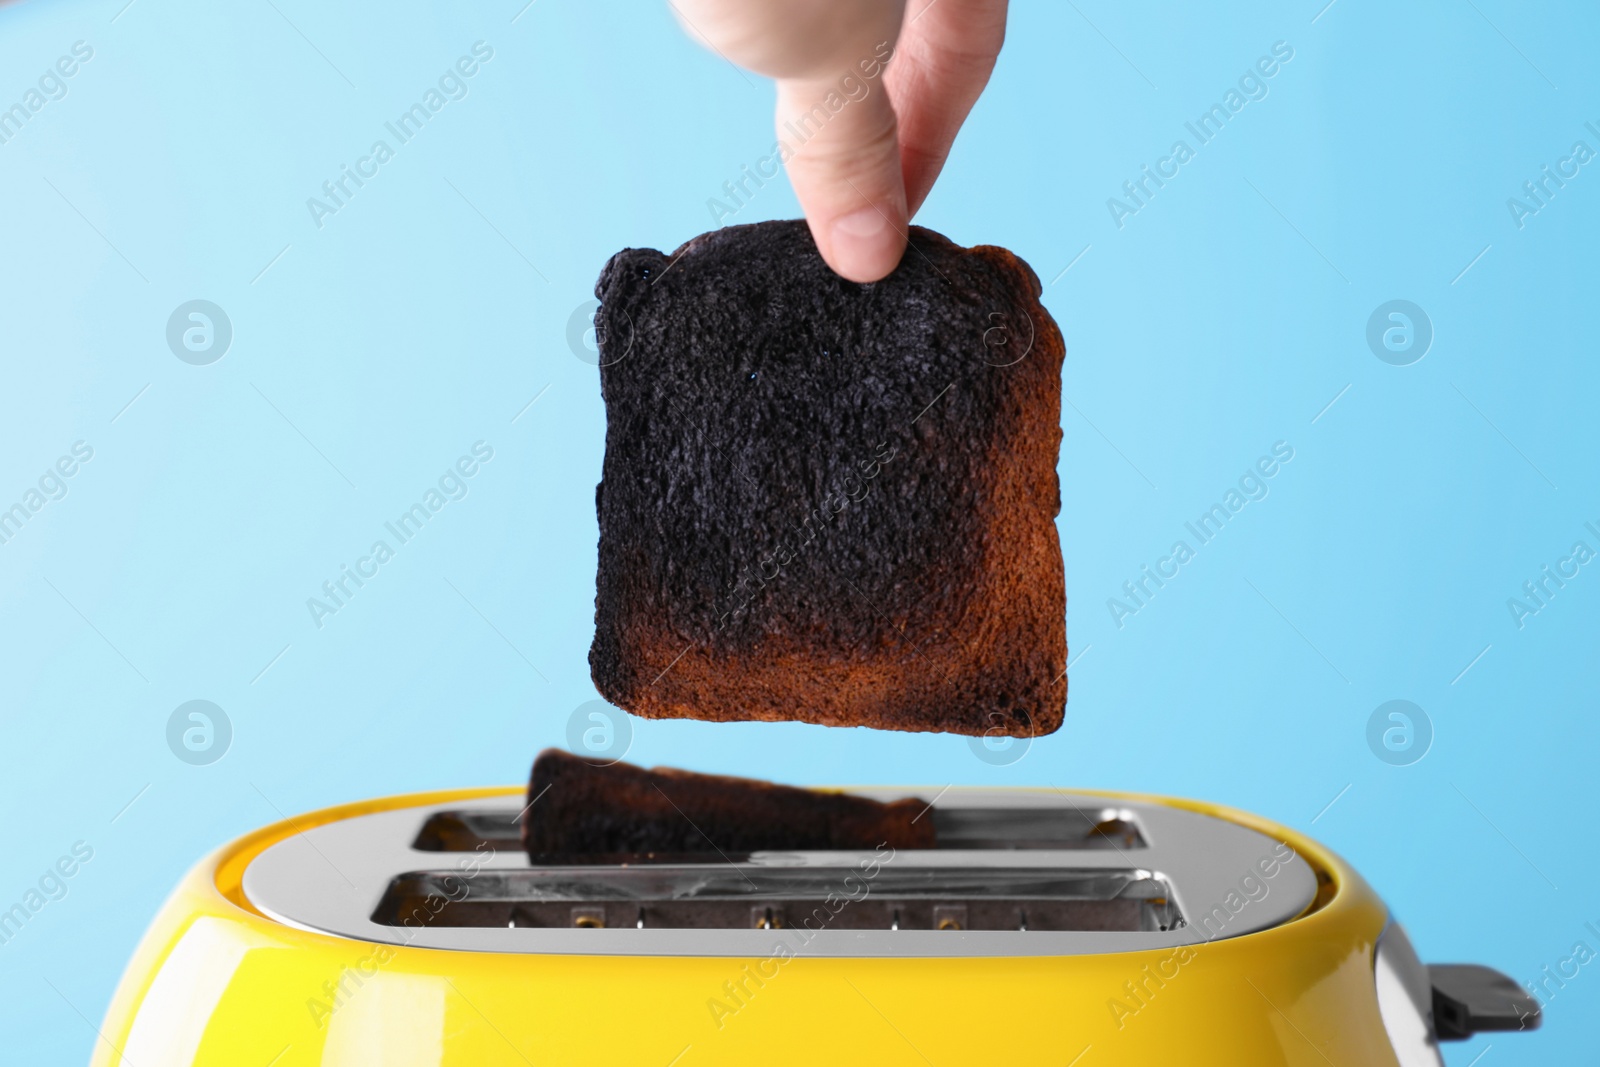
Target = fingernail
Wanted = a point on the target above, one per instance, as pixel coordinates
(866, 246)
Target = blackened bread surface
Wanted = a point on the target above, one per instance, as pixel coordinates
(825, 501)
(578, 809)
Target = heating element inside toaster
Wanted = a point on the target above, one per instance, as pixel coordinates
(1014, 873)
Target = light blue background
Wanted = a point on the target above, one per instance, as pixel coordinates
(1224, 317)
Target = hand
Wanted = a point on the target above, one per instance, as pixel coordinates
(863, 142)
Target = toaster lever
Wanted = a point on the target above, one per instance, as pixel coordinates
(1472, 999)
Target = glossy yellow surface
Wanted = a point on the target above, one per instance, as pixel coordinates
(215, 983)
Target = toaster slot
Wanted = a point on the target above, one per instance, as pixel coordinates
(733, 896)
(1035, 828)
(467, 830)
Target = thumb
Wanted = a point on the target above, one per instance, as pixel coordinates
(839, 141)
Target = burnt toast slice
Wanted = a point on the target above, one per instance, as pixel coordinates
(825, 501)
(580, 811)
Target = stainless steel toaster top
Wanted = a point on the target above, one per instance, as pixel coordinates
(1016, 873)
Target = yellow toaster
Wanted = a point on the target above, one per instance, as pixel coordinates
(1070, 929)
